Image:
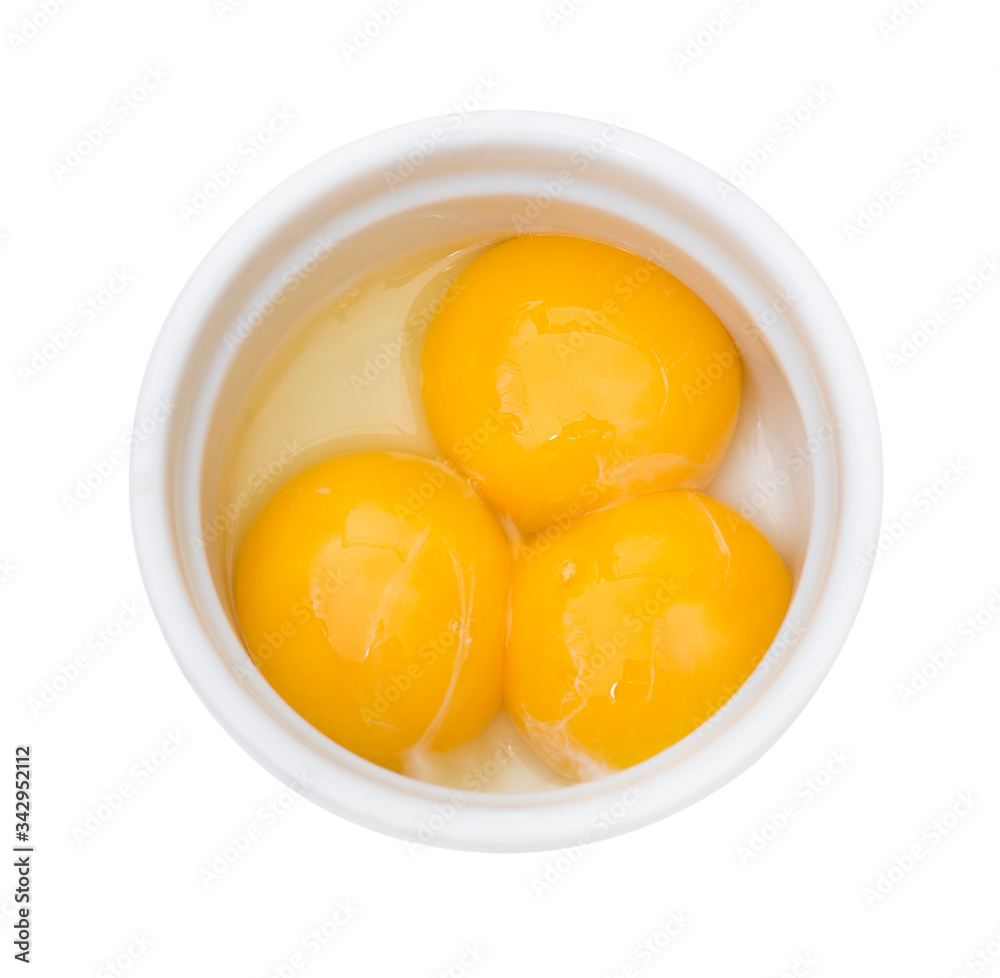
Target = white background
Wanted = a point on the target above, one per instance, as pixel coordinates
(802, 900)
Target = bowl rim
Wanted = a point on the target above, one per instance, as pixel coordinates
(364, 793)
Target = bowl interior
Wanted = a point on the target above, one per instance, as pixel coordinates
(349, 213)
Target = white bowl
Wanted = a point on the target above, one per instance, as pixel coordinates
(446, 179)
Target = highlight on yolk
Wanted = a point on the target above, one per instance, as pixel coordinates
(373, 593)
(564, 374)
(635, 625)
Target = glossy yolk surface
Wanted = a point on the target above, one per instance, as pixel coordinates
(563, 373)
(636, 624)
(372, 592)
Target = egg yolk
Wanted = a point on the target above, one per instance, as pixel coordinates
(563, 374)
(634, 625)
(373, 593)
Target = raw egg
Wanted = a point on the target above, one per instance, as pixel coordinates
(372, 592)
(633, 625)
(564, 374)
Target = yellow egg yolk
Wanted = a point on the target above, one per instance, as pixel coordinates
(563, 374)
(634, 625)
(372, 592)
